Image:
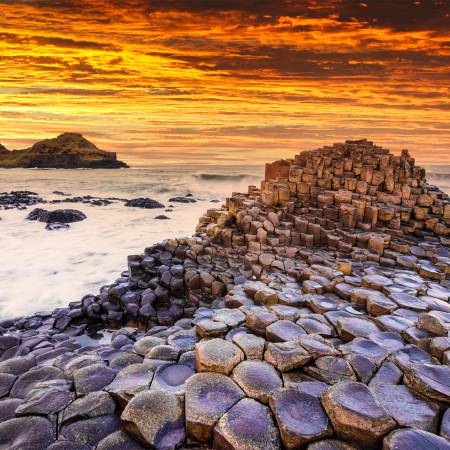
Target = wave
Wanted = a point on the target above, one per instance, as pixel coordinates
(222, 177)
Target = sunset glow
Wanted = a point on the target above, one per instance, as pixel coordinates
(226, 81)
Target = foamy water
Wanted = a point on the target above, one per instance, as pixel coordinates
(41, 269)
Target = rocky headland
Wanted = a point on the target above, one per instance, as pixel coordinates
(310, 313)
(67, 151)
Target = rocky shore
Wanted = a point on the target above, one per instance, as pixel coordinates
(311, 313)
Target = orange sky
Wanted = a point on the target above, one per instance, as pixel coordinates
(226, 81)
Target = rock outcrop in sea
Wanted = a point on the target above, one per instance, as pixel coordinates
(311, 313)
(67, 151)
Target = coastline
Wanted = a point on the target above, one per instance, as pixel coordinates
(265, 295)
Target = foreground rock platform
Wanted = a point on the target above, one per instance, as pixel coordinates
(311, 313)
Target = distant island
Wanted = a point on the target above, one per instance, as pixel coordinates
(67, 151)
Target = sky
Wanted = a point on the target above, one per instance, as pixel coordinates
(226, 81)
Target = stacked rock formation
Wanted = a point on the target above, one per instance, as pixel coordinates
(311, 313)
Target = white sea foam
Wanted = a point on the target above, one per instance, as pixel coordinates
(41, 269)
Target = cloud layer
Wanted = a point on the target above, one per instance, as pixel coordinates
(226, 80)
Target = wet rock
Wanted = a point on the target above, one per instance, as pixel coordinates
(57, 216)
(429, 380)
(130, 381)
(155, 418)
(182, 200)
(251, 345)
(26, 382)
(355, 414)
(90, 431)
(283, 331)
(172, 378)
(92, 378)
(119, 440)
(146, 203)
(286, 356)
(91, 405)
(30, 433)
(6, 382)
(217, 355)
(300, 417)
(44, 402)
(257, 379)
(162, 217)
(406, 407)
(142, 346)
(57, 226)
(248, 425)
(407, 438)
(208, 397)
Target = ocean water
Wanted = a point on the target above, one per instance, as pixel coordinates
(41, 270)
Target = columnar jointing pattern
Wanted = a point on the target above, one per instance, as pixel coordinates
(311, 313)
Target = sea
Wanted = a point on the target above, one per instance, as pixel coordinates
(41, 270)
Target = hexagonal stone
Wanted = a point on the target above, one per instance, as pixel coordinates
(437, 322)
(366, 347)
(410, 355)
(407, 408)
(257, 320)
(90, 431)
(6, 382)
(251, 345)
(8, 408)
(349, 328)
(217, 355)
(392, 323)
(208, 397)
(248, 425)
(230, 317)
(129, 381)
(210, 328)
(430, 380)
(363, 367)
(283, 331)
(183, 340)
(375, 281)
(44, 402)
(408, 301)
(286, 355)
(119, 440)
(142, 346)
(317, 346)
(17, 365)
(172, 378)
(331, 370)
(26, 433)
(91, 405)
(300, 417)
(35, 375)
(156, 419)
(407, 438)
(314, 388)
(388, 373)
(291, 298)
(391, 341)
(92, 378)
(284, 312)
(331, 444)
(355, 414)
(257, 378)
(163, 352)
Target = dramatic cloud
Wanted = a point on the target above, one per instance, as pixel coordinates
(226, 80)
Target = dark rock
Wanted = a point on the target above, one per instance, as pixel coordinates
(90, 431)
(300, 417)
(26, 433)
(156, 419)
(91, 405)
(248, 425)
(186, 199)
(44, 402)
(56, 216)
(27, 381)
(208, 397)
(92, 378)
(162, 217)
(146, 203)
